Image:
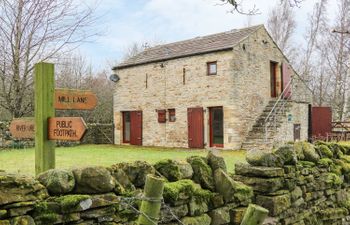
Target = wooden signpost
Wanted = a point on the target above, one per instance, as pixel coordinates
(66, 128)
(48, 127)
(74, 99)
(22, 128)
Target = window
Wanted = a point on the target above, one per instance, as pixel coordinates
(172, 116)
(212, 68)
(161, 116)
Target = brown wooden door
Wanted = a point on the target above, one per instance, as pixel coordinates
(195, 127)
(296, 132)
(136, 127)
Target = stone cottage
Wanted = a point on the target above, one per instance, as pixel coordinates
(229, 90)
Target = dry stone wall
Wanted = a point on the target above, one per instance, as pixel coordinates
(300, 184)
(197, 191)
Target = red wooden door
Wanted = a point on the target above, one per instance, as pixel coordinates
(195, 128)
(286, 77)
(136, 127)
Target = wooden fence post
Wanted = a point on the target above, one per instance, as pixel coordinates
(150, 206)
(44, 109)
(255, 215)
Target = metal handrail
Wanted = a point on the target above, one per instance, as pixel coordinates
(275, 110)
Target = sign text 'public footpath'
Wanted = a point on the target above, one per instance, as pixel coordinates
(66, 128)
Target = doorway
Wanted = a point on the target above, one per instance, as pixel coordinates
(132, 127)
(216, 127)
(273, 79)
(195, 128)
(297, 128)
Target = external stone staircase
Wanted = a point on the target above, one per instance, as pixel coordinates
(256, 137)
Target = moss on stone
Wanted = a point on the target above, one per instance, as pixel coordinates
(310, 152)
(345, 158)
(337, 169)
(344, 165)
(306, 164)
(184, 189)
(43, 214)
(324, 151)
(70, 202)
(203, 174)
(298, 149)
(332, 178)
(325, 162)
(169, 169)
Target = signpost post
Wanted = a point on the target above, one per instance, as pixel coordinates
(44, 93)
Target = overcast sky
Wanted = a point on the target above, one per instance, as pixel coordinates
(123, 22)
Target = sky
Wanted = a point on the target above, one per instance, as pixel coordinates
(123, 22)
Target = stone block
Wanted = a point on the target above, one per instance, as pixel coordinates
(237, 215)
(275, 204)
(197, 220)
(197, 207)
(220, 216)
(231, 190)
(202, 173)
(258, 171)
(263, 185)
(57, 181)
(93, 180)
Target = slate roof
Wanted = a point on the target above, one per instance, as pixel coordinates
(200, 45)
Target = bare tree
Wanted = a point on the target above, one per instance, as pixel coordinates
(239, 7)
(33, 31)
(281, 25)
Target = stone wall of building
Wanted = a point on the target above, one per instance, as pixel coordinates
(241, 86)
(297, 115)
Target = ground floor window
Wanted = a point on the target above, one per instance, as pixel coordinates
(216, 123)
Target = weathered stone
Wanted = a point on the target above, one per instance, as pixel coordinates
(97, 213)
(263, 158)
(324, 151)
(264, 185)
(202, 173)
(258, 171)
(310, 152)
(19, 211)
(57, 181)
(22, 220)
(136, 171)
(185, 169)
(232, 190)
(123, 183)
(5, 222)
(296, 193)
(216, 162)
(216, 201)
(220, 216)
(93, 180)
(183, 190)
(287, 154)
(166, 216)
(237, 215)
(197, 207)
(197, 220)
(275, 204)
(298, 149)
(3, 213)
(169, 169)
(18, 188)
(333, 213)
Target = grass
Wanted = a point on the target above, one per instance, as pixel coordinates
(22, 161)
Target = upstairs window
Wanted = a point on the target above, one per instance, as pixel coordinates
(211, 68)
(172, 116)
(161, 116)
